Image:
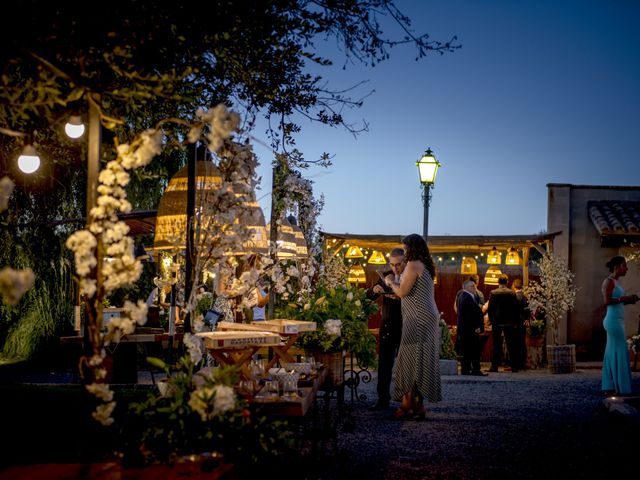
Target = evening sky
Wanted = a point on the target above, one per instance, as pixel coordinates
(543, 91)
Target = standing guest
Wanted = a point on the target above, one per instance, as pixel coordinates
(224, 303)
(479, 295)
(503, 315)
(390, 328)
(470, 325)
(520, 329)
(418, 365)
(616, 373)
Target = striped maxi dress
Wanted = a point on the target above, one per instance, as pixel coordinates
(418, 363)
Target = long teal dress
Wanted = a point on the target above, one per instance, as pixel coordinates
(616, 371)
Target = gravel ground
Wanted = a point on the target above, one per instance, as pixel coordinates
(525, 425)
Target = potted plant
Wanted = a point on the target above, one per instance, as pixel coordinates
(554, 295)
(341, 314)
(448, 357)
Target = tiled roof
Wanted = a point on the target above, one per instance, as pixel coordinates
(615, 217)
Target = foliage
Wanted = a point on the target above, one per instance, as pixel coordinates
(447, 349)
(537, 327)
(49, 313)
(345, 303)
(554, 294)
(198, 412)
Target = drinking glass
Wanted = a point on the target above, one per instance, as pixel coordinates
(289, 388)
(272, 388)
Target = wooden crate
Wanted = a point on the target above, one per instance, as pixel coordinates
(238, 339)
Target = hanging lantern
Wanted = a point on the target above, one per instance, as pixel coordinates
(301, 242)
(468, 266)
(492, 275)
(377, 258)
(353, 252)
(357, 275)
(285, 240)
(494, 257)
(171, 219)
(512, 257)
(435, 279)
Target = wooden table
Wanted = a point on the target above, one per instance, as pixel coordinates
(124, 353)
(236, 348)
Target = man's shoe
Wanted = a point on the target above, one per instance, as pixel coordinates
(380, 406)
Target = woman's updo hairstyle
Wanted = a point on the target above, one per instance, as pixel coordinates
(615, 262)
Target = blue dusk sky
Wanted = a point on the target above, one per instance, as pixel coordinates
(542, 91)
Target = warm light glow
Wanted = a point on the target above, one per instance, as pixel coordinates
(357, 275)
(512, 257)
(354, 252)
(377, 258)
(468, 266)
(74, 128)
(29, 161)
(494, 257)
(428, 167)
(492, 275)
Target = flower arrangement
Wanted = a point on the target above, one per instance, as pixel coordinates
(554, 294)
(197, 411)
(341, 314)
(634, 343)
(536, 327)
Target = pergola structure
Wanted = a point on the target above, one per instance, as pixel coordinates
(334, 243)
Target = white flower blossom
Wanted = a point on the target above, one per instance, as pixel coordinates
(194, 347)
(103, 413)
(14, 284)
(101, 391)
(333, 327)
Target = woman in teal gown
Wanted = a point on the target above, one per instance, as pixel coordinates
(616, 372)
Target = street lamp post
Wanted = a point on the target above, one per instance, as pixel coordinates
(427, 168)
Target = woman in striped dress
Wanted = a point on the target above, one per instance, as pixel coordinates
(418, 365)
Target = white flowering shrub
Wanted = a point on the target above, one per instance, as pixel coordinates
(555, 294)
(103, 251)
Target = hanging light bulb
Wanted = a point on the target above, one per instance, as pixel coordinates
(74, 128)
(29, 161)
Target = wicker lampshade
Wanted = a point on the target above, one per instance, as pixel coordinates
(512, 257)
(357, 274)
(377, 258)
(354, 252)
(492, 275)
(468, 266)
(494, 257)
(301, 242)
(171, 220)
(286, 240)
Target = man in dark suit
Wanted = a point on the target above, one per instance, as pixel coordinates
(390, 327)
(504, 315)
(470, 325)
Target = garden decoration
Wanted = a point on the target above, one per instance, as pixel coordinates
(553, 296)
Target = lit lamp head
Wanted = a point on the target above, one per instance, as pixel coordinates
(74, 128)
(29, 161)
(428, 168)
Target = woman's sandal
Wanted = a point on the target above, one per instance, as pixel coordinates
(402, 414)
